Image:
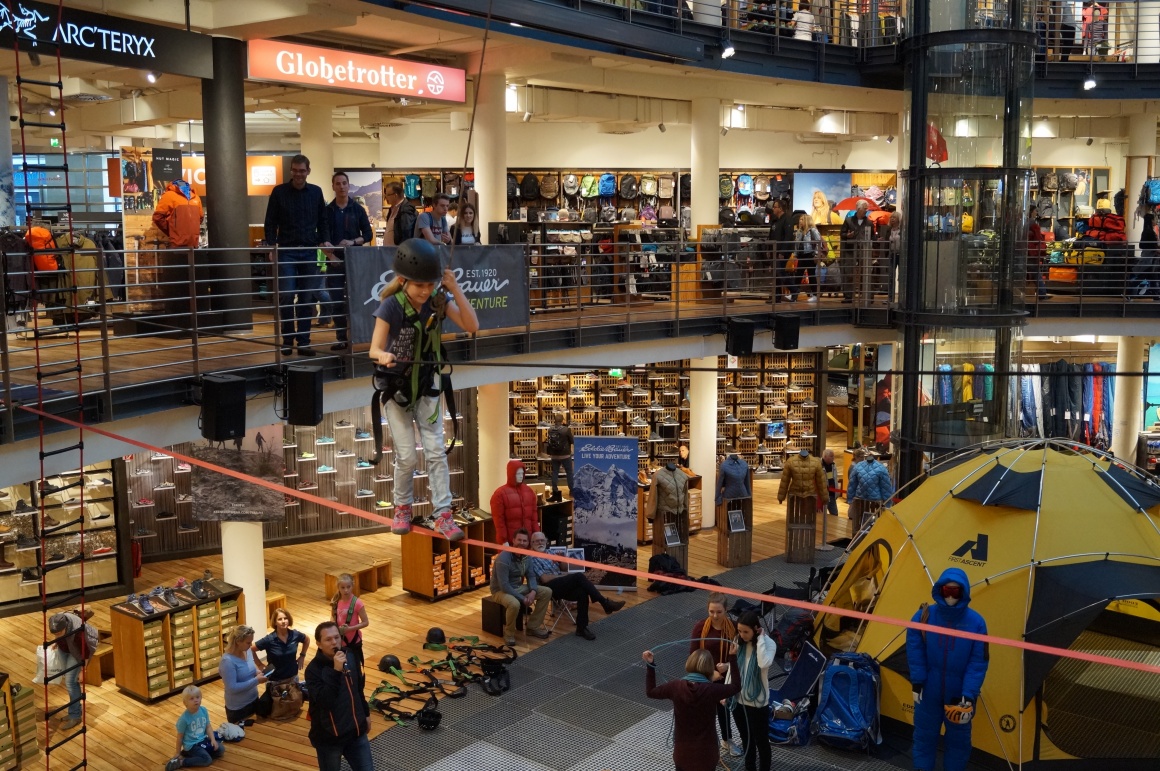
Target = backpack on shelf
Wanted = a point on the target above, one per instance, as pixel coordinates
(1049, 182)
(686, 187)
(847, 715)
(725, 186)
(761, 187)
(513, 186)
(726, 218)
(648, 185)
(629, 187)
(744, 185)
(549, 186)
(430, 185)
(665, 187)
(529, 187)
(607, 185)
(571, 184)
(589, 187)
(411, 187)
(1152, 192)
(451, 184)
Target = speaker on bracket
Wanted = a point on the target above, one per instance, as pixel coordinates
(738, 337)
(223, 407)
(785, 332)
(303, 395)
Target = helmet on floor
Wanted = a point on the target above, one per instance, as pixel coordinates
(389, 662)
(435, 636)
(417, 259)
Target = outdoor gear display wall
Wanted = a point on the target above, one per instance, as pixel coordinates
(1068, 191)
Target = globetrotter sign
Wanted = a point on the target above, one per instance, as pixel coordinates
(98, 37)
(280, 62)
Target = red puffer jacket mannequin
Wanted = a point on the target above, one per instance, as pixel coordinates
(513, 505)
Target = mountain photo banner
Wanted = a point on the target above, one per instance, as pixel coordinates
(604, 506)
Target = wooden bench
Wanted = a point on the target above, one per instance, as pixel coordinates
(367, 577)
(100, 666)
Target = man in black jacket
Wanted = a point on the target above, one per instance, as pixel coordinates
(349, 226)
(400, 223)
(781, 245)
(338, 709)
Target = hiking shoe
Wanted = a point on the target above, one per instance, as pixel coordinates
(362, 434)
(143, 532)
(101, 550)
(730, 418)
(160, 456)
(27, 542)
(325, 469)
(382, 504)
(142, 472)
(639, 422)
(173, 764)
(342, 423)
(401, 523)
(183, 497)
(144, 501)
(622, 407)
(304, 455)
(382, 477)
(446, 527)
(158, 596)
(197, 589)
(30, 576)
(171, 598)
(145, 605)
(183, 467)
(162, 486)
(165, 515)
(363, 463)
(656, 407)
(655, 437)
(509, 641)
(542, 633)
(362, 492)
(306, 484)
(47, 521)
(344, 452)
(325, 440)
(22, 507)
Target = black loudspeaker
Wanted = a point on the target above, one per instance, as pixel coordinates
(303, 395)
(785, 332)
(739, 337)
(223, 407)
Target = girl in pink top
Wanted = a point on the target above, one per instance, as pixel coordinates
(350, 614)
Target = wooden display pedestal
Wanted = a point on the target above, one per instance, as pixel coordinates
(556, 522)
(680, 552)
(435, 568)
(801, 524)
(644, 527)
(735, 548)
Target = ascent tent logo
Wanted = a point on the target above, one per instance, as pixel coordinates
(976, 548)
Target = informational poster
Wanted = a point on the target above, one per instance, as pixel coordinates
(144, 174)
(493, 278)
(604, 506)
(220, 497)
(366, 188)
(828, 196)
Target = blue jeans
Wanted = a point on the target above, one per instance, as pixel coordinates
(427, 414)
(298, 281)
(201, 754)
(72, 685)
(832, 503)
(357, 752)
(336, 308)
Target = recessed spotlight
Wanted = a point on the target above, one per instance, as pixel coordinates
(724, 130)
(890, 139)
(662, 128)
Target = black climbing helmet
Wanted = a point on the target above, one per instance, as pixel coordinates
(386, 663)
(417, 259)
(435, 636)
(429, 716)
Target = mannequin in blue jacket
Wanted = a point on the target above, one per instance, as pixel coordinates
(733, 480)
(946, 671)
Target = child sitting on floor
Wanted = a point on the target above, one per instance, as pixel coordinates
(196, 744)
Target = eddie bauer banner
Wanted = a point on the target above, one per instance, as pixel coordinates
(98, 37)
(492, 278)
(605, 506)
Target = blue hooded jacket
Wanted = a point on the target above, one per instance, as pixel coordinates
(945, 668)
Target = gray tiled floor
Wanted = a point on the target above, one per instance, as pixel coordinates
(577, 705)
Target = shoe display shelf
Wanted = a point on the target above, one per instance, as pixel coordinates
(435, 568)
(72, 500)
(159, 499)
(767, 408)
(159, 654)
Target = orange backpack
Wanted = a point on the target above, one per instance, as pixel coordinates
(40, 240)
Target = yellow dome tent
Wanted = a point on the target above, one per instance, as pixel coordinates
(1062, 548)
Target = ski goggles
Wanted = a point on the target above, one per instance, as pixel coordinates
(952, 591)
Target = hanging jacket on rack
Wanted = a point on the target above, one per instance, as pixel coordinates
(1087, 429)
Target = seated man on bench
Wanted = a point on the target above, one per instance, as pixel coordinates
(573, 587)
(508, 589)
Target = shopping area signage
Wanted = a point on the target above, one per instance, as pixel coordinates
(98, 37)
(279, 62)
(493, 279)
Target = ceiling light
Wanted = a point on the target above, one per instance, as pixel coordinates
(181, 144)
(890, 139)
(512, 86)
(727, 49)
(52, 111)
(152, 76)
(875, 137)
(740, 108)
(724, 130)
(662, 128)
(299, 118)
(527, 116)
(1089, 141)
(1090, 83)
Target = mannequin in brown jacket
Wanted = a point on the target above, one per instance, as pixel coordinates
(803, 477)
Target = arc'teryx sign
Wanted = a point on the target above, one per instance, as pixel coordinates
(97, 37)
(280, 62)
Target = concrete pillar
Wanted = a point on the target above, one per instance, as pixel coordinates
(703, 428)
(489, 150)
(317, 139)
(7, 202)
(494, 452)
(244, 566)
(1148, 33)
(1128, 409)
(1141, 151)
(224, 113)
(705, 164)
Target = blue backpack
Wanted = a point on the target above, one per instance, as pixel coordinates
(1152, 192)
(791, 731)
(847, 715)
(744, 185)
(607, 184)
(411, 186)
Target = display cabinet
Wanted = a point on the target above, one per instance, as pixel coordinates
(160, 653)
(435, 568)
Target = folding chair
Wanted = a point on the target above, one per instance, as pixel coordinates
(561, 608)
(804, 676)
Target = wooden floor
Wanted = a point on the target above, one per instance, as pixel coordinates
(127, 734)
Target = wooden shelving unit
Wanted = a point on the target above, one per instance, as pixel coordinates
(435, 568)
(160, 654)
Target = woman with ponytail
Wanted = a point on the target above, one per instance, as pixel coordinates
(716, 634)
(695, 697)
(755, 652)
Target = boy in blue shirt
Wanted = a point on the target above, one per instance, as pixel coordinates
(196, 744)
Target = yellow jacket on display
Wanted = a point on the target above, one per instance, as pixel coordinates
(802, 477)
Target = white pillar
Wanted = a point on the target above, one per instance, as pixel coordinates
(244, 566)
(705, 163)
(1148, 33)
(1141, 151)
(493, 438)
(489, 150)
(317, 136)
(1128, 408)
(703, 430)
(7, 203)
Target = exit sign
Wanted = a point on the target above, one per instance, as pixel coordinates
(54, 142)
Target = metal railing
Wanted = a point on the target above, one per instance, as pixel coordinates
(144, 336)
